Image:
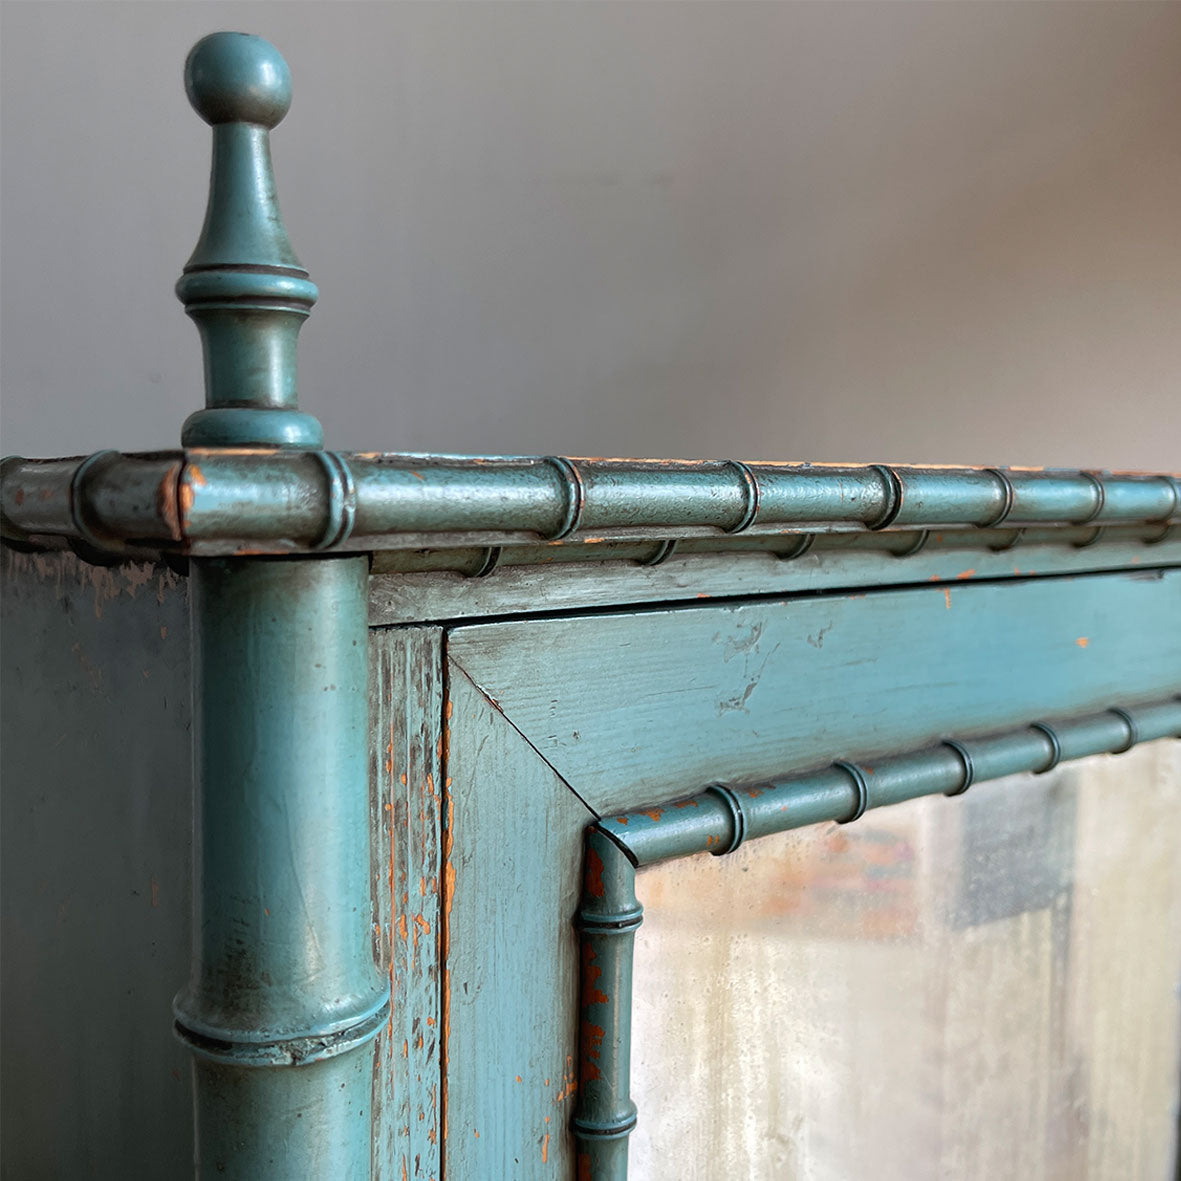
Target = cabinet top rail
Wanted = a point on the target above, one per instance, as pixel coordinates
(226, 501)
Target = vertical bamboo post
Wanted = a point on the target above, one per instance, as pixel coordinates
(284, 997)
(609, 914)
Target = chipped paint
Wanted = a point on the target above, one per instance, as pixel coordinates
(594, 873)
(590, 1045)
(168, 501)
(185, 497)
(64, 572)
(569, 1083)
(445, 939)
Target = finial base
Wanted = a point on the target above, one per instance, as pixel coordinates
(241, 426)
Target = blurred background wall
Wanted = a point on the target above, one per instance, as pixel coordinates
(927, 232)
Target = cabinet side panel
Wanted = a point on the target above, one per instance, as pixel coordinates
(95, 831)
(407, 684)
(512, 857)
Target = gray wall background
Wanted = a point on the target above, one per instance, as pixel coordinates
(943, 232)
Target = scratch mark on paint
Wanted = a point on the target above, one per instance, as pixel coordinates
(817, 641)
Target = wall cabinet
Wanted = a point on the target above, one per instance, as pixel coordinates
(383, 752)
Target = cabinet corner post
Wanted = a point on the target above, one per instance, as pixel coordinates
(284, 998)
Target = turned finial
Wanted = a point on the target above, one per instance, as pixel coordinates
(243, 285)
(238, 78)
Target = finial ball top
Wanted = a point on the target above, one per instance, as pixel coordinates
(237, 78)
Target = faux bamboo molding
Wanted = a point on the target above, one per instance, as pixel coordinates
(720, 819)
(235, 500)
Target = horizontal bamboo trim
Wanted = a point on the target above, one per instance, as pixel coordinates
(235, 501)
(722, 817)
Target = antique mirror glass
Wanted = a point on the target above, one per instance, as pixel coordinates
(980, 987)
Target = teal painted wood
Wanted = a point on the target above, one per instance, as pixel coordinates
(284, 973)
(310, 1122)
(868, 668)
(607, 920)
(408, 771)
(243, 285)
(720, 819)
(95, 829)
(748, 691)
(217, 501)
(285, 996)
(510, 983)
(832, 561)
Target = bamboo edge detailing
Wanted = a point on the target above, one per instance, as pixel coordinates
(284, 999)
(719, 820)
(251, 497)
